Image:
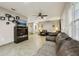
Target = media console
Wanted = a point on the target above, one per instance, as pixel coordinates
(20, 31)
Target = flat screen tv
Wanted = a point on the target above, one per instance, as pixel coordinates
(21, 23)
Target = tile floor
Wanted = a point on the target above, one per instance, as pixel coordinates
(25, 48)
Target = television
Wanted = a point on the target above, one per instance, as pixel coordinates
(21, 23)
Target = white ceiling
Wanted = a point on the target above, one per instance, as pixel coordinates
(28, 9)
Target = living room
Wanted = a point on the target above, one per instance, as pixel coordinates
(38, 28)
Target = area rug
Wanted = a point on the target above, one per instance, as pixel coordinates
(48, 49)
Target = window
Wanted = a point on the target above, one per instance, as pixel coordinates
(75, 21)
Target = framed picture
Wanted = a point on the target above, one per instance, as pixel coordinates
(2, 18)
(8, 15)
(17, 17)
(53, 25)
(12, 19)
(7, 23)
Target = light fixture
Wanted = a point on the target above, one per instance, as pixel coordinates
(56, 28)
(13, 9)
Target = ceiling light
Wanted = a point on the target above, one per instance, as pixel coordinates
(13, 9)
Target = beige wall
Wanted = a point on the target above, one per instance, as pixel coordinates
(7, 31)
(30, 27)
(66, 19)
(48, 25)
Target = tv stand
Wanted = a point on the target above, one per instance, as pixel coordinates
(20, 34)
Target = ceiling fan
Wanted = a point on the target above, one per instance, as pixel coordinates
(41, 15)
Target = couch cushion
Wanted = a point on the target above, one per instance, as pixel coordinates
(66, 46)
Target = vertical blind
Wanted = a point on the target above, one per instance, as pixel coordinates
(70, 20)
(75, 20)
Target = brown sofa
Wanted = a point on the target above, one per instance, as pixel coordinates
(66, 46)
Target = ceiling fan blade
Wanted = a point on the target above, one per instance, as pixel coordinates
(44, 15)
